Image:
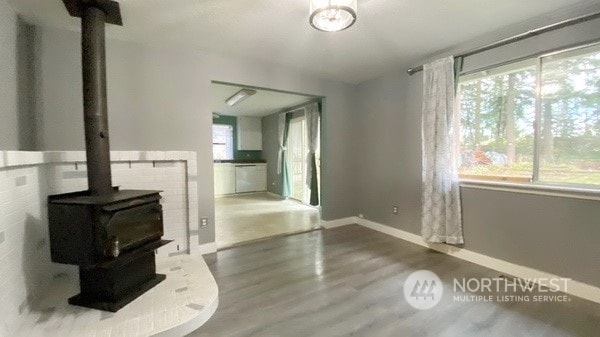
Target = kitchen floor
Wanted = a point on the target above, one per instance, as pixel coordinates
(244, 218)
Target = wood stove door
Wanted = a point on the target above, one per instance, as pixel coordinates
(133, 227)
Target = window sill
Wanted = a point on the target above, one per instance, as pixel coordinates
(533, 188)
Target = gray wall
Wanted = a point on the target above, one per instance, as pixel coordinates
(553, 234)
(8, 75)
(16, 110)
(159, 99)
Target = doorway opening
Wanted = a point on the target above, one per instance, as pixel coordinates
(298, 148)
(266, 151)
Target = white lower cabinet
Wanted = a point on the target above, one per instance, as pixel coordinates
(240, 178)
(250, 178)
(224, 179)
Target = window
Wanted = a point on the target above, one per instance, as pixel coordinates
(222, 142)
(500, 111)
(569, 148)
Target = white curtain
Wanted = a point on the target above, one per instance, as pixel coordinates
(281, 139)
(441, 217)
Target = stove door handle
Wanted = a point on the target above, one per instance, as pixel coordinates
(137, 202)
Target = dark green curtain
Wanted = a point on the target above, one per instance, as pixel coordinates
(314, 182)
(313, 116)
(286, 189)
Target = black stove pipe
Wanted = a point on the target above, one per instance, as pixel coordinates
(94, 15)
(93, 61)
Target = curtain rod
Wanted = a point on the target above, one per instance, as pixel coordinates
(299, 106)
(522, 36)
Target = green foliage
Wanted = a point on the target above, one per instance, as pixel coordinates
(576, 148)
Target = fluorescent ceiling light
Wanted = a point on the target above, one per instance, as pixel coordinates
(240, 96)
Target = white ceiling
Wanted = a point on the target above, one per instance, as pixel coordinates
(263, 103)
(388, 33)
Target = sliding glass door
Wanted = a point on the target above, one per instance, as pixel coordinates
(298, 150)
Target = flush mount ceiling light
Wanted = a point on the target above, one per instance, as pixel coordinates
(240, 96)
(332, 15)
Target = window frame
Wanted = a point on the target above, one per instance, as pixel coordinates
(232, 140)
(533, 186)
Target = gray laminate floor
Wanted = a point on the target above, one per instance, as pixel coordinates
(348, 282)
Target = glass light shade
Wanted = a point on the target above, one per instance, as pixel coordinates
(332, 15)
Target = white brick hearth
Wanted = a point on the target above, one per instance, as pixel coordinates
(27, 178)
(175, 307)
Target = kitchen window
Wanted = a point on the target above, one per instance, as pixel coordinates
(557, 94)
(222, 142)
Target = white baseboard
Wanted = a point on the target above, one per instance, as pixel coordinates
(206, 248)
(574, 288)
(338, 222)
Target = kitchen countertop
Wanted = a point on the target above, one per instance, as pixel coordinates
(241, 161)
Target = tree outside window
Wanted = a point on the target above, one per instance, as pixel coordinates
(499, 114)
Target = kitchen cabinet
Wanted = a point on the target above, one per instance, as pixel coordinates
(250, 178)
(233, 178)
(224, 179)
(249, 133)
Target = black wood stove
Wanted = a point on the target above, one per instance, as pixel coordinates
(110, 234)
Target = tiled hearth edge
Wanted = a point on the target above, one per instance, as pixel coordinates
(174, 308)
(575, 288)
(26, 158)
(10, 159)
